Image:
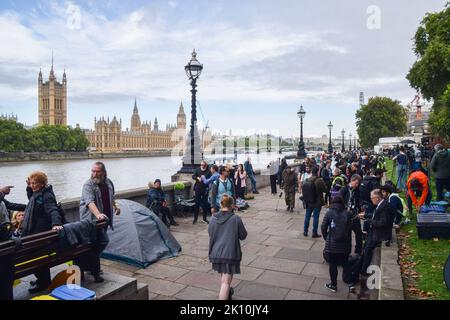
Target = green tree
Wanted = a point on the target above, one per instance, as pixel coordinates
(380, 117)
(430, 74)
(12, 136)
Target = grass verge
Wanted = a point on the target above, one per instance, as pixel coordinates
(421, 261)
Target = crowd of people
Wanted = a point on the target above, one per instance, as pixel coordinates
(359, 198)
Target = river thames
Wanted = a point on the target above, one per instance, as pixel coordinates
(67, 177)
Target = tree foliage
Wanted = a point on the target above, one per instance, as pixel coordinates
(380, 117)
(15, 137)
(430, 74)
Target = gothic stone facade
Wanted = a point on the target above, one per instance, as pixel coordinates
(109, 137)
(52, 100)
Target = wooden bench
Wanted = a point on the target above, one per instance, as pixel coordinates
(36, 252)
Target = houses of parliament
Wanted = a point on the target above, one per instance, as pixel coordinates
(109, 136)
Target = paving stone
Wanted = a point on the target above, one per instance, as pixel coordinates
(256, 238)
(269, 251)
(115, 270)
(282, 232)
(163, 271)
(318, 287)
(250, 248)
(277, 264)
(286, 280)
(123, 266)
(300, 255)
(183, 236)
(190, 251)
(302, 295)
(161, 297)
(319, 245)
(248, 273)
(289, 243)
(161, 287)
(257, 291)
(319, 270)
(193, 293)
(190, 262)
(391, 277)
(204, 280)
(247, 259)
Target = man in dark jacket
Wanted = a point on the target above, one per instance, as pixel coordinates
(201, 192)
(156, 201)
(313, 208)
(440, 164)
(337, 232)
(380, 229)
(350, 194)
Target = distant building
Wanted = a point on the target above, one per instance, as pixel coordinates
(108, 136)
(418, 111)
(52, 97)
(10, 117)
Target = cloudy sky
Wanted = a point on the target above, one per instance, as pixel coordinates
(262, 59)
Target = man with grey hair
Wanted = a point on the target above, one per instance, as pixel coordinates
(379, 227)
(440, 164)
(97, 204)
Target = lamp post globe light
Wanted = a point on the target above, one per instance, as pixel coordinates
(301, 153)
(193, 154)
(330, 145)
(343, 145)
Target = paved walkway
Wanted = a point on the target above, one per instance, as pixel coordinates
(278, 261)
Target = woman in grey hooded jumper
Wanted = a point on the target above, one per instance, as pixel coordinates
(226, 230)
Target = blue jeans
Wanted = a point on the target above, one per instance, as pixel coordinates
(402, 176)
(315, 212)
(253, 181)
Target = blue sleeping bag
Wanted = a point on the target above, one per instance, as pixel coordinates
(73, 292)
(432, 208)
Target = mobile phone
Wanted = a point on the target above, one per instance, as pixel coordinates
(10, 186)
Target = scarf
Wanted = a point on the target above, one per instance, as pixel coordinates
(28, 214)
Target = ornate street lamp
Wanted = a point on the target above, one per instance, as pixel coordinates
(343, 145)
(301, 153)
(193, 154)
(330, 145)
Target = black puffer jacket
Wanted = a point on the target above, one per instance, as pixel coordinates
(44, 214)
(337, 230)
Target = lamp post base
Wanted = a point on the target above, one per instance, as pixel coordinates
(188, 168)
(301, 153)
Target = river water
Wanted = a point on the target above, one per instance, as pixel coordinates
(68, 176)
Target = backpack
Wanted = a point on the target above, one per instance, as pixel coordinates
(309, 191)
(366, 186)
(340, 227)
(216, 184)
(338, 183)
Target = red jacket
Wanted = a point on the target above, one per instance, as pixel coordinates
(423, 179)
